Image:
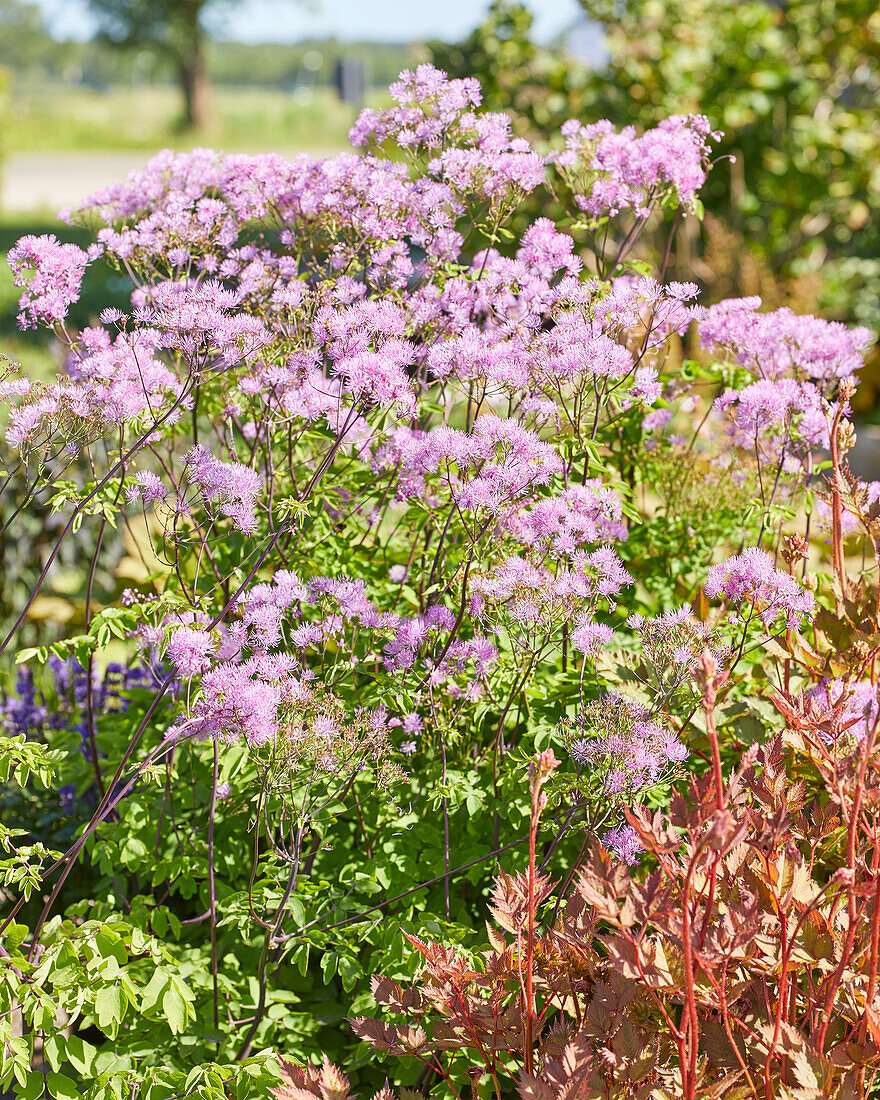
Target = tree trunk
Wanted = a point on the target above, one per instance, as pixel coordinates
(198, 100)
(198, 105)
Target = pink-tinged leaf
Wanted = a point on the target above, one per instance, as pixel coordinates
(379, 1035)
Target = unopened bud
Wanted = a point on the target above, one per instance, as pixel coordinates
(846, 388)
(795, 548)
(846, 435)
(544, 764)
(860, 649)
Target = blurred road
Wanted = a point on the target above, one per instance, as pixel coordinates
(45, 182)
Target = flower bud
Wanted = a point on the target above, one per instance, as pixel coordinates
(544, 764)
(795, 548)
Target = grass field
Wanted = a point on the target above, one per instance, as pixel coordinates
(67, 117)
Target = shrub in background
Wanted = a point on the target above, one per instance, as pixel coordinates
(792, 86)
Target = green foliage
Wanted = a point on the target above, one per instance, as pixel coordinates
(20, 759)
(794, 89)
(541, 87)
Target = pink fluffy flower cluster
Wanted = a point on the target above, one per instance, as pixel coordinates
(391, 446)
(632, 746)
(52, 274)
(630, 171)
(751, 582)
(782, 343)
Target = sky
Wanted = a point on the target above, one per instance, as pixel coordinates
(380, 20)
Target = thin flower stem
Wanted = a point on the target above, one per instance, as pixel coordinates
(212, 885)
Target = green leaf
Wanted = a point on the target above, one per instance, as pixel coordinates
(110, 946)
(81, 1055)
(15, 935)
(328, 965)
(153, 991)
(349, 971)
(110, 1006)
(133, 852)
(301, 959)
(33, 1089)
(54, 1048)
(174, 1007)
(61, 1086)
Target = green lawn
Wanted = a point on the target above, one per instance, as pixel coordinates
(67, 117)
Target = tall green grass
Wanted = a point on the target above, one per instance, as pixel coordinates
(68, 118)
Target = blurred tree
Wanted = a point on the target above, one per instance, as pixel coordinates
(540, 87)
(172, 27)
(24, 41)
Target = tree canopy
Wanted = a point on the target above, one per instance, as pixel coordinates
(175, 27)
